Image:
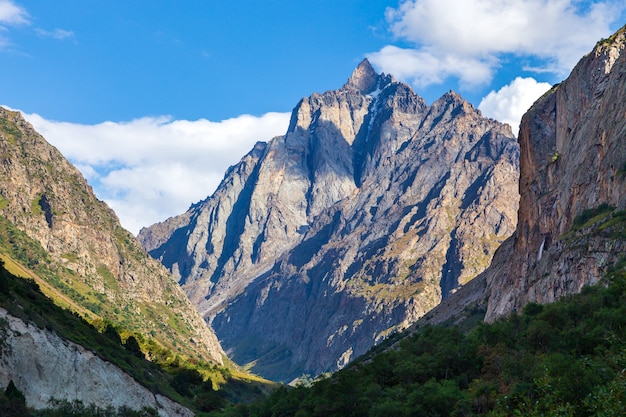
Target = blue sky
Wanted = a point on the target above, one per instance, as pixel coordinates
(153, 100)
(121, 60)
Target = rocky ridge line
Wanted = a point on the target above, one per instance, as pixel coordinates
(571, 229)
(98, 263)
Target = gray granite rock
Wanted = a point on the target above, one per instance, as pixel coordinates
(370, 209)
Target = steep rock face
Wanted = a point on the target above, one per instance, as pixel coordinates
(44, 366)
(99, 264)
(573, 158)
(368, 211)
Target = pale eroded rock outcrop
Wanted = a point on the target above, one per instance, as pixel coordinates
(44, 366)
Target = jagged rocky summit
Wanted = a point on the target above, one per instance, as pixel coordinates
(370, 209)
(95, 267)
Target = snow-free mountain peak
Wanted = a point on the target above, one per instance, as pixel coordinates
(371, 208)
(365, 79)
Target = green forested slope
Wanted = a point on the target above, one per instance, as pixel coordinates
(565, 359)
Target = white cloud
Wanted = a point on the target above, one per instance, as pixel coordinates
(424, 67)
(11, 13)
(152, 168)
(509, 104)
(467, 38)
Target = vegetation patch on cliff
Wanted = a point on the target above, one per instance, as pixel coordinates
(603, 220)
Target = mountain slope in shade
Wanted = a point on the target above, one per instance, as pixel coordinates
(370, 209)
(96, 264)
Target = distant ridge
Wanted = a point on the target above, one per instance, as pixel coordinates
(364, 78)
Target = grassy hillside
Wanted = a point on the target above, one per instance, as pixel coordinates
(32, 288)
(562, 359)
(85, 259)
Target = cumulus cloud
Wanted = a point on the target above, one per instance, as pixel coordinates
(467, 39)
(423, 67)
(152, 168)
(509, 103)
(11, 13)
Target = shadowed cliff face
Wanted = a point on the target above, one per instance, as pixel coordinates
(573, 160)
(97, 264)
(362, 217)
